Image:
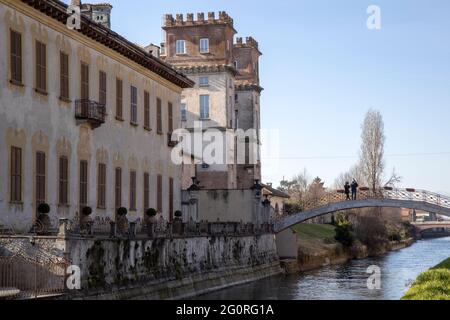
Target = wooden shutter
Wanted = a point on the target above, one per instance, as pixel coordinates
(64, 75)
(119, 99)
(170, 117)
(102, 88)
(146, 191)
(84, 81)
(146, 110)
(132, 190)
(41, 66)
(40, 177)
(133, 105)
(16, 174)
(63, 180)
(159, 194)
(159, 116)
(171, 195)
(101, 188)
(16, 57)
(118, 188)
(83, 183)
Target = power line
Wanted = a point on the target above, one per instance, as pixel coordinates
(355, 156)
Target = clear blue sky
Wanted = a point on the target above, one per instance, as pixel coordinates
(322, 70)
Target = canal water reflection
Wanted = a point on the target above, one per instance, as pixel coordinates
(347, 282)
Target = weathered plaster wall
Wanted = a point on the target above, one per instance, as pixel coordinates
(46, 123)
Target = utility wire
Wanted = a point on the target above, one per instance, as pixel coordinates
(355, 156)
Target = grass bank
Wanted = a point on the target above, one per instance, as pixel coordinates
(433, 284)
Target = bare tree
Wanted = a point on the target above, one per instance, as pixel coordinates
(353, 173)
(372, 149)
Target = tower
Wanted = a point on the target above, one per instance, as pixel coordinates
(204, 50)
(100, 13)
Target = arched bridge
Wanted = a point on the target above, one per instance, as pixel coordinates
(335, 201)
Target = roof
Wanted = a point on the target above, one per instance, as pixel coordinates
(58, 11)
(275, 192)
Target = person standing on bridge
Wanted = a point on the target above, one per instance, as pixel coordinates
(347, 190)
(354, 187)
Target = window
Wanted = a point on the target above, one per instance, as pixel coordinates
(171, 199)
(170, 117)
(203, 81)
(204, 107)
(83, 183)
(159, 194)
(84, 81)
(133, 105)
(118, 188)
(236, 65)
(40, 178)
(63, 180)
(204, 45)
(159, 116)
(101, 186)
(183, 112)
(146, 110)
(16, 57)
(41, 67)
(119, 99)
(132, 190)
(64, 76)
(102, 88)
(16, 174)
(181, 47)
(146, 191)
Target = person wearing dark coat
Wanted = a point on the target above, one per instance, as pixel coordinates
(354, 187)
(347, 190)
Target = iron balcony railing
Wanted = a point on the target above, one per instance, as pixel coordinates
(90, 111)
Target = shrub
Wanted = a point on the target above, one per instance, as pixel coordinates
(151, 212)
(122, 211)
(344, 233)
(87, 211)
(43, 208)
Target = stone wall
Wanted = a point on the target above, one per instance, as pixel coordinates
(155, 268)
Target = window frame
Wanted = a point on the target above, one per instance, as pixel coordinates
(16, 57)
(202, 48)
(204, 115)
(203, 83)
(180, 44)
(63, 181)
(134, 105)
(41, 67)
(16, 175)
(101, 186)
(119, 99)
(64, 76)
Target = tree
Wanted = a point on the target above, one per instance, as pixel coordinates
(372, 149)
(297, 187)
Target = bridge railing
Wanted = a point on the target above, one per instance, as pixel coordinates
(334, 196)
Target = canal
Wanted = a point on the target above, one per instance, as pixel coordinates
(349, 281)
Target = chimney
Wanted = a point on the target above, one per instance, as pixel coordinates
(75, 3)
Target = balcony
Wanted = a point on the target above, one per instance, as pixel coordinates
(87, 111)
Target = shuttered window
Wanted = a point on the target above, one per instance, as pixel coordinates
(102, 87)
(16, 174)
(119, 99)
(41, 66)
(40, 177)
(146, 110)
(118, 188)
(16, 57)
(171, 199)
(159, 194)
(83, 183)
(101, 186)
(159, 116)
(64, 76)
(133, 105)
(170, 117)
(84, 81)
(132, 190)
(146, 191)
(63, 180)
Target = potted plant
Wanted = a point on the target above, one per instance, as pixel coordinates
(43, 208)
(86, 211)
(178, 214)
(151, 213)
(121, 212)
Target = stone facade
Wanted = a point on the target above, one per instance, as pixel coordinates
(43, 122)
(228, 74)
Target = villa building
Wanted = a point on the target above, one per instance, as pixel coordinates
(85, 118)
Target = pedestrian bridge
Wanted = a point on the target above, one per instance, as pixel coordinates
(423, 226)
(335, 201)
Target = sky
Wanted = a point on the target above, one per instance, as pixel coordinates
(322, 69)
